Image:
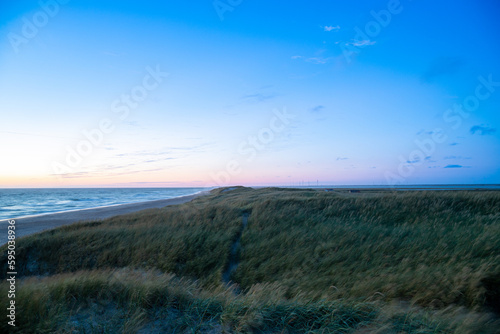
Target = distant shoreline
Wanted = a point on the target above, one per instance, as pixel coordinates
(34, 224)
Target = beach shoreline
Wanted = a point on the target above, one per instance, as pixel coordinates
(29, 225)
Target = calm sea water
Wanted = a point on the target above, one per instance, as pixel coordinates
(16, 203)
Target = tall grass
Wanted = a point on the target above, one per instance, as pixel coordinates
(130, 301)
(310, 261)
(192, 244)
(433, 248)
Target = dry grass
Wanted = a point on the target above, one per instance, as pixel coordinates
(311, 261)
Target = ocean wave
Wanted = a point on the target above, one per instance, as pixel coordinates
(15, 208)
(26, 202)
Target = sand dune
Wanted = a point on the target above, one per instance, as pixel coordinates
(30, 225)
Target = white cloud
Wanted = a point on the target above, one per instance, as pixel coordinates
(318, 60)
(364, 42)
(331, 28)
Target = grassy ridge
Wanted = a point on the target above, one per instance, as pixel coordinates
(434, 248)
(187, 242)
(311, 261)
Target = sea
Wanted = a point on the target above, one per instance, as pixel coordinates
(17, 203)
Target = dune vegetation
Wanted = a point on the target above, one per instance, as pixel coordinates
(270, 260)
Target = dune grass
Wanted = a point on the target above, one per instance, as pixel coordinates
(310, 261)
(433, 248)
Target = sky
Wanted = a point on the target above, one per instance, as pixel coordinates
(239, 92)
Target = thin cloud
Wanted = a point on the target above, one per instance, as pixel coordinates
(341, 158)
(109, 53)
(424, 132)
(331, 28)
(317, 109)
(132, 123)
(104, 172)
(482, 130)
(417, 159)
(318, 60)
(258, 97)
(361, 43)
(36, 135)
(442, 66)
(159, 183)
(453, 166)
(164, 153)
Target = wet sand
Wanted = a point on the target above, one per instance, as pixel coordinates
(31, 225)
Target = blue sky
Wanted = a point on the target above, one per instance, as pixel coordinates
(176, 93)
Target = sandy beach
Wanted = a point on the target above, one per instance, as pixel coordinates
(31, 225)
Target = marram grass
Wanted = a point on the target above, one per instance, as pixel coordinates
(309, 262)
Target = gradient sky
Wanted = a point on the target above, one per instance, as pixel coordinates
(257, 92)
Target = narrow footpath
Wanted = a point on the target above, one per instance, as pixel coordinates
(234, 255)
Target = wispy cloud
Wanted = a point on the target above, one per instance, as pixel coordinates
(132, 123)
(106, 172)
(441, 66)
(424, 132)
(36, 135)
(164, 153)
(417, 159)
(331, 28)
(341, 158)
(109, 53)
(315, 60)
(317, 109)
(361, 43)
(258, 97)
(482, 130)
(318, 60)
(144, 161)
(160, 183)
(453, 166)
